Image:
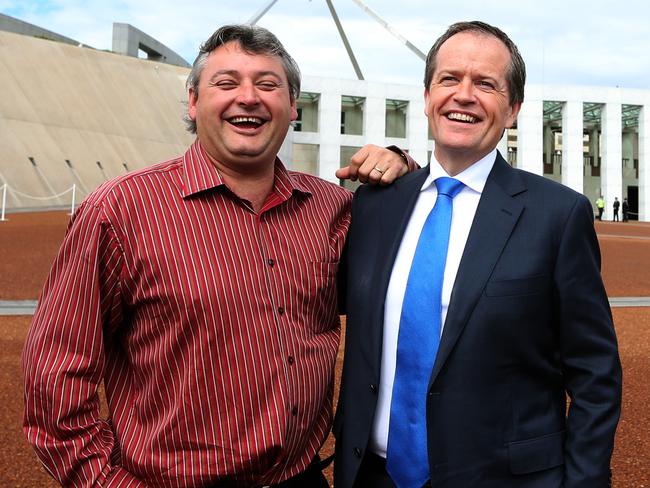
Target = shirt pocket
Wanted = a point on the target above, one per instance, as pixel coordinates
(325, 269)
(320, 292)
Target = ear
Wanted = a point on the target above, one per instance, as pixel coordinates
(192, 97)
(294, 110)
(514, 112)
(426, 102)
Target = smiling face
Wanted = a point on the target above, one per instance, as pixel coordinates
(242, 109)
(467, 102)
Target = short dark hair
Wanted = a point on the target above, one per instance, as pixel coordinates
(252, 39)
(516, 75)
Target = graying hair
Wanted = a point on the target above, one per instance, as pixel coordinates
(516, 74)
(252, 39)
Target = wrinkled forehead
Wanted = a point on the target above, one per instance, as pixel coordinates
(476, 50)
(232, 57)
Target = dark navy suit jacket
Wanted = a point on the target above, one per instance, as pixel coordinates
(526, 386)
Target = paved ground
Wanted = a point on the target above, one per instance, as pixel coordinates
(28, 243)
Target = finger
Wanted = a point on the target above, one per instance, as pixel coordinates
(358, 164)
(373, 167)
(375, 174)
(389, 176)
(345, 173)
(397, 164)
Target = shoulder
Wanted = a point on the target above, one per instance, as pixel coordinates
(319, 186)
(117, 190)
(547, 190)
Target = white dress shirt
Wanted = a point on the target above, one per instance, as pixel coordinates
(464, 209)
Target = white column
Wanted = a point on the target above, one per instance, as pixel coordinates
(530, 139)
(627, 139)
(644, 164)
(417, 131)
(572, 143)
(594, 144)
(329, 126)
(549, 144)
(374, 115)
(611, 173)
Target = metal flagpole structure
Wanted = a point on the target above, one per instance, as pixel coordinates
(253, 20)
(344, 38)
(390, 29)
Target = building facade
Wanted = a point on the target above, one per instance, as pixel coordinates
(595, 140)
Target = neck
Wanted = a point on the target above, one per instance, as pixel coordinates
(251, 184)
(253, 188)
(456, 162)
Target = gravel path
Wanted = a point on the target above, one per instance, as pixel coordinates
(29, 241)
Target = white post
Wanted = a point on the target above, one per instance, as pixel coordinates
(74, 193)
(644, 164)
(329, 126)
(530, 133)
(572, 141)
(4, 200)
(611, 174)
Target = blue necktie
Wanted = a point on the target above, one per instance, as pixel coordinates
(417, 344)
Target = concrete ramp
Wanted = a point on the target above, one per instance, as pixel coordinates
(62, 102)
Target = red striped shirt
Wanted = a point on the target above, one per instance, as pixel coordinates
(213, 328)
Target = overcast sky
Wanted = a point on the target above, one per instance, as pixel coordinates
(581, 42)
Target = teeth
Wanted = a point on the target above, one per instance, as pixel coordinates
(461, 117)
(239, 120)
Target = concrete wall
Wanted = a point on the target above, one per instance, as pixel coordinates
(130, 41)
(65, 102)
(11, 24)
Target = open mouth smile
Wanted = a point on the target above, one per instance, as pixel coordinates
(459, 117)
(246, 122)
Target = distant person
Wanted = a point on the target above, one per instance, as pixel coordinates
(480, 349)
(201, 292)
(616, 206)
(600, 205)
(626, 210)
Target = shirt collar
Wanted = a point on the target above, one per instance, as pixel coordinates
(199, 174)
(474, 177)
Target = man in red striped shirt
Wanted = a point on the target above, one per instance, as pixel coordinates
(201, 291)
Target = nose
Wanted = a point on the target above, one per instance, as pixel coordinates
(247, 94)
(464, 91)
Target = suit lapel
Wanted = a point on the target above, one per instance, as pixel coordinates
(495, 219)
(397, 211)
(395, 205)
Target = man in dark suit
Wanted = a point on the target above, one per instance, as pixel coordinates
(524, 387)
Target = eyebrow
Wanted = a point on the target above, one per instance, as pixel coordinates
(236, 73)
(455, 72)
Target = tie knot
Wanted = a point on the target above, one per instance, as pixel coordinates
(448, 186)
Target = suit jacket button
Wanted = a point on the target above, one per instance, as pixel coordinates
(357, 452)
(373, 388)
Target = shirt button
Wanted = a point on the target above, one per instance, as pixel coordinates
(281, 310)
(294, 411)
(270, 261)
(290, 359)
